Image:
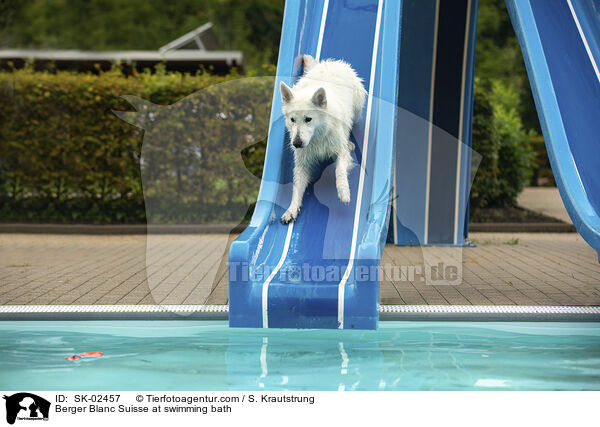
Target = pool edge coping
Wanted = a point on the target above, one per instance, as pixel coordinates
(221, 312)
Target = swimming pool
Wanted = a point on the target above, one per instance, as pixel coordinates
(208, 355)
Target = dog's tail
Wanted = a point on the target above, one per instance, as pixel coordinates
(309, 62)
(359, 96)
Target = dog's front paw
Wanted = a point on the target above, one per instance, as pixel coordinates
(289, 216)
(344, 195)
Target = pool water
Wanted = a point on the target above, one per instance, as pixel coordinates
(202, 355)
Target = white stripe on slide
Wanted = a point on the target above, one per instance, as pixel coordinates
(265, 287)
(361, 181)
(585, 42)
(288, 236)
(394, 219)
(430, 137)
(460, 121)
(302, 28)
(322, 30)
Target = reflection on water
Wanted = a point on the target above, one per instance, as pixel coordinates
(188, 355)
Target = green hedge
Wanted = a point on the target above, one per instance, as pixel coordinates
(66, 157)
(505, 147)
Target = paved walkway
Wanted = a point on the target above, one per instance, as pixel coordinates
(544, 200)
(522, 269)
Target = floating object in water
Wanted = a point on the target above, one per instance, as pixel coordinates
(85, 355)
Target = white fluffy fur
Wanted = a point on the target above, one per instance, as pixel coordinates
(320, 110)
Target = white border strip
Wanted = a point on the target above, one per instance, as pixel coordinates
(365, 150)
(490, 309)
(585, 42)
(288, 236)
(460, 120)
(175, 308)
(430, 136)
(224, 308)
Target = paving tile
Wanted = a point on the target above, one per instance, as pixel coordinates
(541, 269)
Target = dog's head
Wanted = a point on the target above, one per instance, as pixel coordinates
(304, 113)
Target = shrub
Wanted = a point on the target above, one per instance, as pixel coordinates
(542, 171)
(66, 157)
(505, 147)
(486, 143)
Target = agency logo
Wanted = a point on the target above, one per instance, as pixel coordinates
(26, 406)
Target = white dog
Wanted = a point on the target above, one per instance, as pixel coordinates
(320, 110)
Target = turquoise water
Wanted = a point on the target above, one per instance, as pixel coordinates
(190, 355)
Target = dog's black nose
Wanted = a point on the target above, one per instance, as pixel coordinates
(297, 142)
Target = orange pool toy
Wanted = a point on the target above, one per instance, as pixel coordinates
(84, 355)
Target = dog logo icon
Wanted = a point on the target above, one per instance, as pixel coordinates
(26, 406)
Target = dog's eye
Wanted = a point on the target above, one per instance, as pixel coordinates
(307, 119)
(293, 120)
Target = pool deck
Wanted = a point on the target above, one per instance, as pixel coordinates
(504, 269)
(544, 200)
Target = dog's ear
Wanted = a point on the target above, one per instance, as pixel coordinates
(319, 98)
(286, 92)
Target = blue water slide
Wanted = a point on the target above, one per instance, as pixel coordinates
(321, 271)
(560, 40)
